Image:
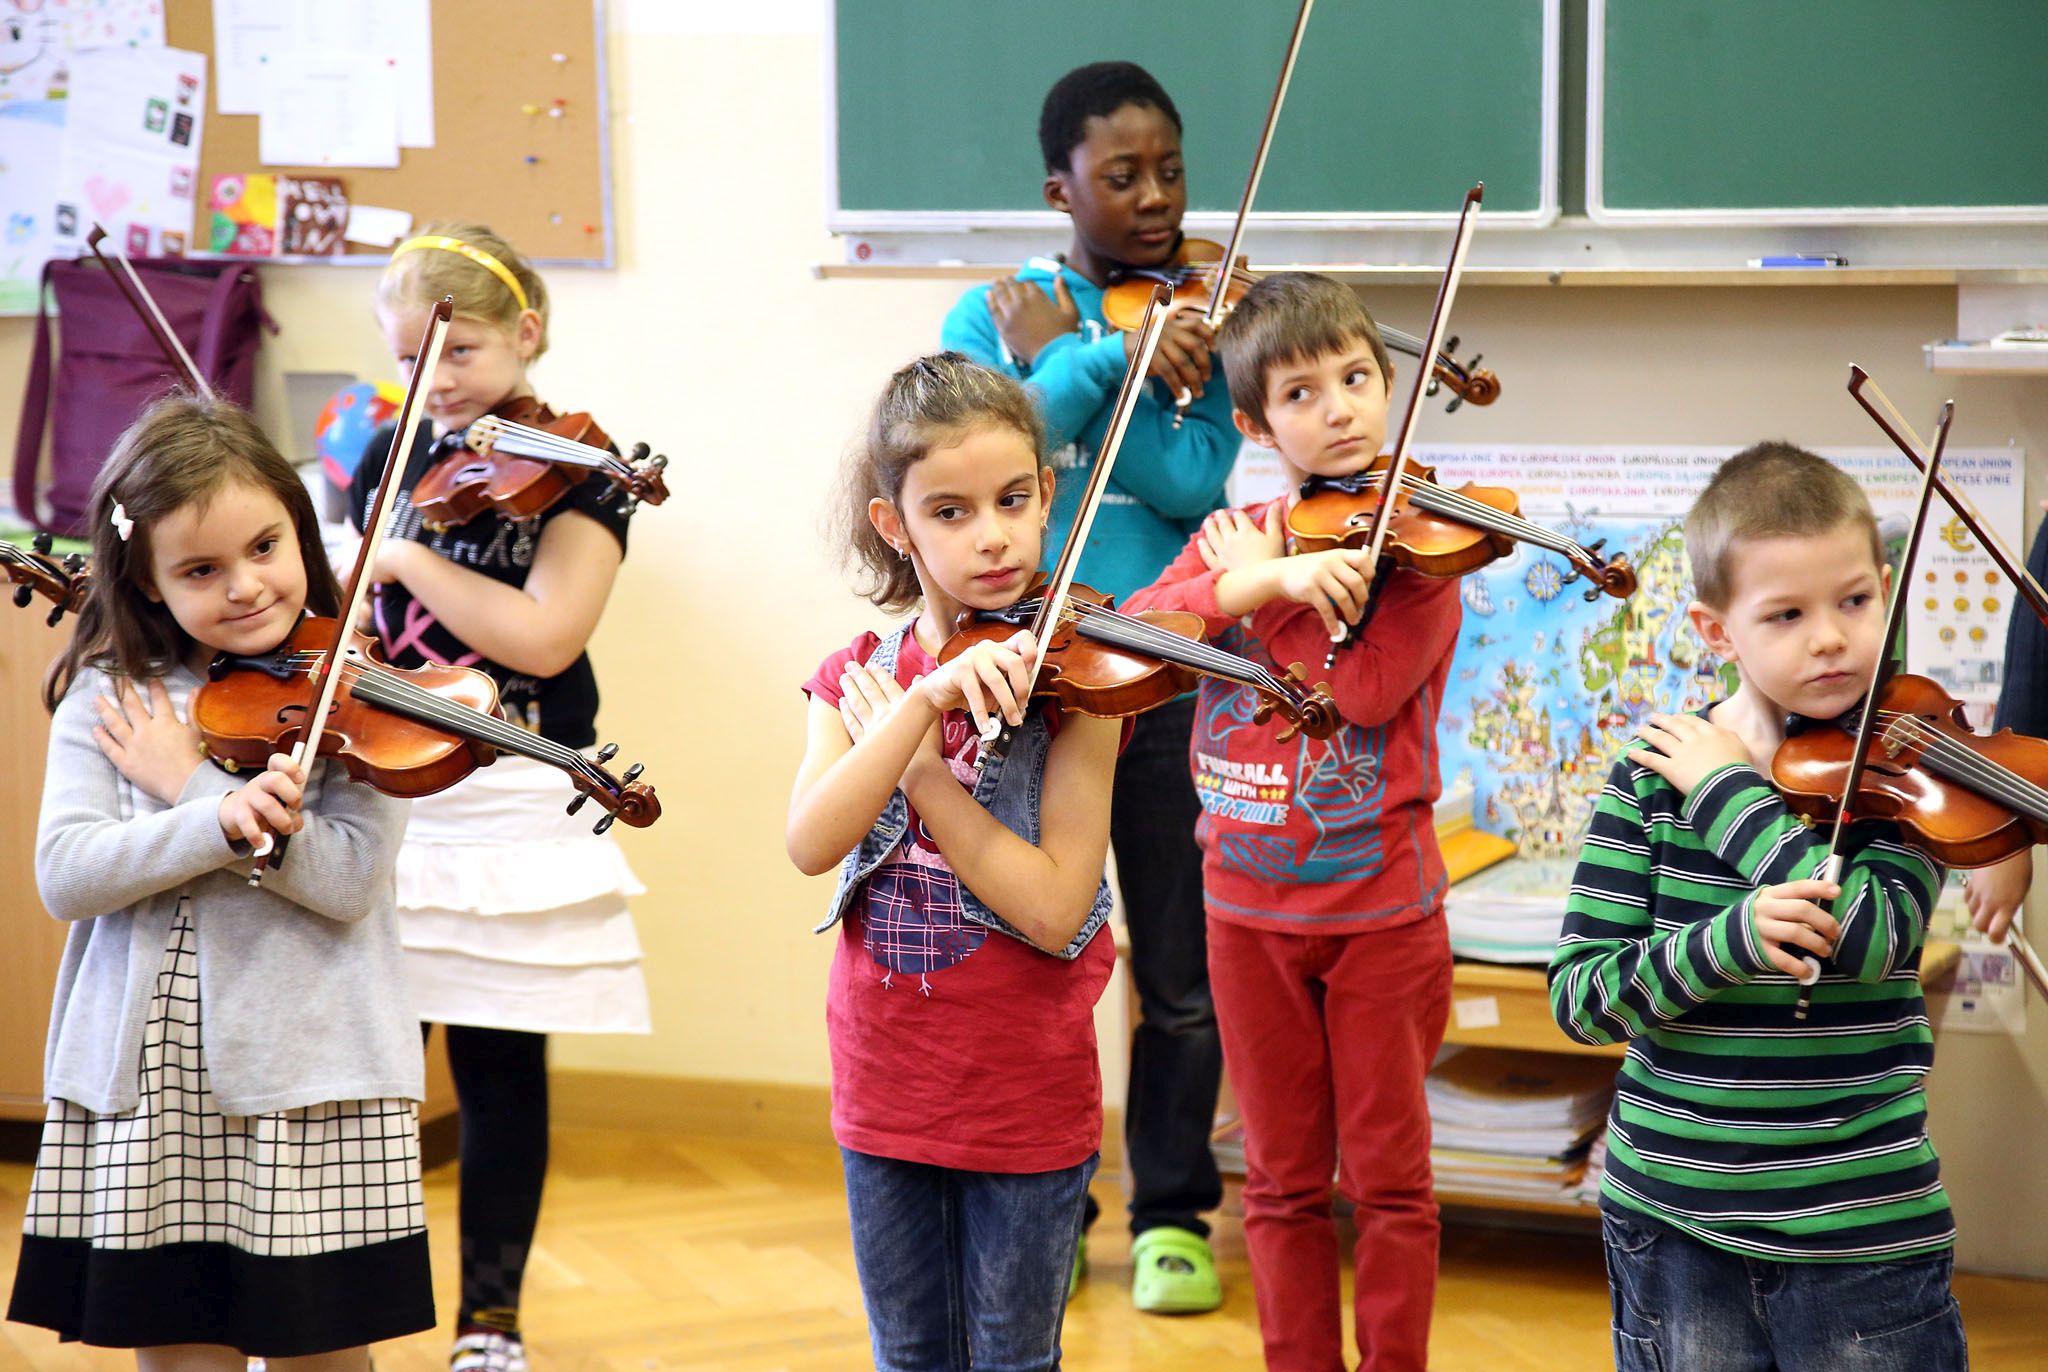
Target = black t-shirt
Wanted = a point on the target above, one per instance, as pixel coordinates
(560, 708)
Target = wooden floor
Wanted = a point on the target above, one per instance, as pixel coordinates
(661, 1253)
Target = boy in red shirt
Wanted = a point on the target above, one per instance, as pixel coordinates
(1327, 947)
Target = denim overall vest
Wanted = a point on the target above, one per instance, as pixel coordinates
(1008, 789)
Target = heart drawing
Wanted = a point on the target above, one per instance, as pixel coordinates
(107, 196)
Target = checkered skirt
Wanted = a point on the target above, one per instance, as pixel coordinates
(280, 1234)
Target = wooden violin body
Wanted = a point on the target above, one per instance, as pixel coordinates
(1441, 531)
(407, 732)
(468, 482)
(253, 707)
(1111, 665)
(1926, 770)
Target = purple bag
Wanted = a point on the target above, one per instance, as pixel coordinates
(111, 368)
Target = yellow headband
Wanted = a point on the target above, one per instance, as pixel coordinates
(474, 254)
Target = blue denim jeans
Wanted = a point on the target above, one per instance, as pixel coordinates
(963, 1269)
(1685, 1306)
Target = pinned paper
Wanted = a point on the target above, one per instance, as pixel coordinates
(131, 146)
(312, 215)
(324, 110)
(1476, 1012)
(376, 227)
(243, 215)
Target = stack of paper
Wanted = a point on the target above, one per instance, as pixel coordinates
(1511, 912)
(1516, 1124)
(1596, 1165)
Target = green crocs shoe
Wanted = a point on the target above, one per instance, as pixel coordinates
(1080, 1268)
(1173, 1273)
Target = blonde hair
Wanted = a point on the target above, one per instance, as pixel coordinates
(414, 280)
(1769, 490)
(926, 405)
(182, 449)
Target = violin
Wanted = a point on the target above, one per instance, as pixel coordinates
(1192, 274)
(521, 459)
(1441, 532)
(1102, 662)
(405, 732)
(34, 571)
(1969, 799)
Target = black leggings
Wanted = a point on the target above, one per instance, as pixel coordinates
(501, 1084)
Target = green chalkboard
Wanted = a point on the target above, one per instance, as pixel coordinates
(1869, 111)
(1394, 111)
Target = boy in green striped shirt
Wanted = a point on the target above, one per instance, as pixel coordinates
(1771, 1199)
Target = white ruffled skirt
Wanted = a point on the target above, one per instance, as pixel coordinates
(513, 914)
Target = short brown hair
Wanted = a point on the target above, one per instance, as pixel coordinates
(929, 404)
(1290, 317)
(1769, 490)
(181, 450)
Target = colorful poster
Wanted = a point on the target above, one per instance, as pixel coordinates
(31, 157)
(131, 149)
(37, 38)
(1547, 686)
(312, 215)
(242, 214)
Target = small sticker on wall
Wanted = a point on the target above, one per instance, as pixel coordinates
(1476, 1012)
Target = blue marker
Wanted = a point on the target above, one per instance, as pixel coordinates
(1825, 259)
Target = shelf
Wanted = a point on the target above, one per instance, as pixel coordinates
(1495, 1006)
(1988, 359)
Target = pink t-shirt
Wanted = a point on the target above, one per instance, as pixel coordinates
(951, 1044)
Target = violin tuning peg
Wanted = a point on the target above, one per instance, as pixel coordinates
(41, 543)
(640, 451)
(577, 804)
(21, 596)
(607, 753)
(74, 563)
(1433, 385)
(603, 824)
(55, 615)
(633, 773)
(1457, 403)
(660, 461)
(1596, 545)
(1451, 345)
(1592, 593)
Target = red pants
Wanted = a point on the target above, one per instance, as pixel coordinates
(1327, 1039)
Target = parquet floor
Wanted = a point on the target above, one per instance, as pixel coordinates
(673, 1254)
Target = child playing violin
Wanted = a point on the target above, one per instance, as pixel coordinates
(1328, 951)
(513, 915)
(1111, 141)
(966, 1094)
(216, 1050)
(1771, 1198)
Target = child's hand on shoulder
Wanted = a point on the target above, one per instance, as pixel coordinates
(988, 679)
(867, 697)
(1787, 918)
(1334, 584)
(146, 741)
(1231, 541)
(269, 803)
(1027, 318)
(1685, 749)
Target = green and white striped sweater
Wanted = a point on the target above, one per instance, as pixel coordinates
(1733, 1122)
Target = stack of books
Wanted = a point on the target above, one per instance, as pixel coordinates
(1516, 1125)
(1511, 912)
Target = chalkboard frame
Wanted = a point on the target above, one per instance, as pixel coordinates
(919, 223)
(1599, 212)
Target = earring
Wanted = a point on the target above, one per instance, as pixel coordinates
(902, 551)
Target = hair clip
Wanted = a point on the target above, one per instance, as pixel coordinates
(123, 525)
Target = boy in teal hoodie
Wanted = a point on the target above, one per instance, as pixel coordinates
(1110, 137)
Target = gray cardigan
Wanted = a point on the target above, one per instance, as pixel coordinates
(301, 980)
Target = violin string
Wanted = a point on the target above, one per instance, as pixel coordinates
(1970, 768)
(1443, 500)
(386, 687)
(523, 441)
(1187, 652)
(1131, 632)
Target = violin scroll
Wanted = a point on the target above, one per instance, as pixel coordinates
(627, 797)
(36, 571)
(1307, 709)
(1609, 575)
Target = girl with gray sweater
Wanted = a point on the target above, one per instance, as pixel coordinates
(230, 1160)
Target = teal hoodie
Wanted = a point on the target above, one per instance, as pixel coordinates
(1165, 479)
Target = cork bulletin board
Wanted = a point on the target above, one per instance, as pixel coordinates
(542, 181)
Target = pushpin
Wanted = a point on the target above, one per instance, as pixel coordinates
(530, 159)
(529, 109)
(554, 219)
(590, 228)
(558, 57)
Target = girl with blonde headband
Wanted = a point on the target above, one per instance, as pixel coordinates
(512, 914)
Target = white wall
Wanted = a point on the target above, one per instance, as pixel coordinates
(713, 341)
